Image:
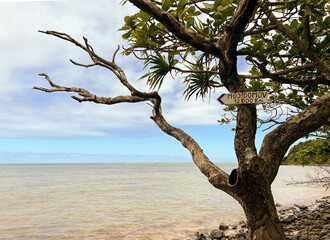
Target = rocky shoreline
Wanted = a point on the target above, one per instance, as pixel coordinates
(299, 222)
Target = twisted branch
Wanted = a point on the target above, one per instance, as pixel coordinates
(215, 175)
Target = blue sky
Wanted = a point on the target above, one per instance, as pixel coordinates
(40, 127)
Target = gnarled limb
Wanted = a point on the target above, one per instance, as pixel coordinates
(199, 41)
(241, 18)
(86, 96)
(215, 175)
(277, 142)
(225, 47)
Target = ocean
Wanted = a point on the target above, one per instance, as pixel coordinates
(124, 201)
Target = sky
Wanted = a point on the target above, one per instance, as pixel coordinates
(38, 127)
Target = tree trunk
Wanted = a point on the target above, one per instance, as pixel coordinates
(262, 219)
(256, 198)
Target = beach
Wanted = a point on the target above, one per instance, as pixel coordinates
(125, 201)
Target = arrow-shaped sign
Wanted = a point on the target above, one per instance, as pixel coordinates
(244, 98)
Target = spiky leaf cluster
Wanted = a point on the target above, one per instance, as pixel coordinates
(277, 63)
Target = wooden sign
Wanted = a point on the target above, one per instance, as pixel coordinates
(244, 98)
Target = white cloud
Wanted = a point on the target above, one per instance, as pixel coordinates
(32, 0)
(193, 112)
(25, 53)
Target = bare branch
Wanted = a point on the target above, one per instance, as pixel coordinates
(307, 31)
(101, 62)
(216, 176)
(321, 177)
(86, 96)
(279, 3)
(259, 30)
(114, 55)
(276, 76)
(83, 65)
(285, 71)
(195, 71)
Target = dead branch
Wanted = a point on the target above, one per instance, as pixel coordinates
(321, 178)
(215, 175)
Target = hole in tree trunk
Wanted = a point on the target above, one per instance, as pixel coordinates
(257, 165)
(233, 177)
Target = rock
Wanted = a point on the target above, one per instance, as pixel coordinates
(223, 227)
(299, 223)
(240, 236)
(301, 207)
(200, 236)
(216, 234)
(326, 217)
(243, 226)
(288, 219)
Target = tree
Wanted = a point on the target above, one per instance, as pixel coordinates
(286, 44)
(315, 151)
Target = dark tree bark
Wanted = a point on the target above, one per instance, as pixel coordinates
(250, 183)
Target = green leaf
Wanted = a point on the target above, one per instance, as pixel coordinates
(217, 3)
(199, 83)
(291, 4)
(224, 12)
(230, 107)
(257, 46)
(217, 23)
(265, 6)
(191, 10)
(166, 4)
(272, 49)
(130, 21)
(257, 85)
(126, 35)
(281, 96)
(144, 16)
(208, 6)
(254, 70)
(307, 10)
(181, 6)
(225, 3)
(254, 38)
(278, 40)
(294, 24)
(159, 69)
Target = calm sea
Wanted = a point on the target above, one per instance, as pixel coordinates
(135, 201)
